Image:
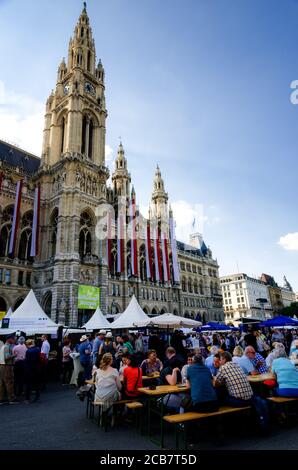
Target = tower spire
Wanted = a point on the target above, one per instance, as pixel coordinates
(159, 195)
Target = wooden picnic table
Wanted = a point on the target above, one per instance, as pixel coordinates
(155, 405)
(162, 390)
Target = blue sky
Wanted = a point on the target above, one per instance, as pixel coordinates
(200, 87)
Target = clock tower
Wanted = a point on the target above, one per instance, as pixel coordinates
(73, 179)
(76, 111)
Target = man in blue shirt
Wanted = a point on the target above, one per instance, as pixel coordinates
(199, 379)
(85, 351)
(99, 340)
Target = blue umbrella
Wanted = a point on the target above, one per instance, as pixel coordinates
(214, 326)
(280, 321)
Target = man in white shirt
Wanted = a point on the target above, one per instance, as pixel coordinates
(45, 347)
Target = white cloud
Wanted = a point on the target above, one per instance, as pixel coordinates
(289, 241)
(21, 120)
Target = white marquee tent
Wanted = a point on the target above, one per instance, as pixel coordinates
(97, 322)
(30, 318)
(169, 320)
(131, 316)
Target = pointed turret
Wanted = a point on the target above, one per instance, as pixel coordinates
(121, 178)
(81, 52)
(159, 196)
(62, 70)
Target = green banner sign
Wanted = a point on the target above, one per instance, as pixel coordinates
(88, 297)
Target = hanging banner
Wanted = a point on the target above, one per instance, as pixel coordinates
(16, 217)
(88, 297)
(35, 227)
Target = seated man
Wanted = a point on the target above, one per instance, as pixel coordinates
(256, 359)
(209, 359)
(199, 380)
(214, 367)
(239, 391)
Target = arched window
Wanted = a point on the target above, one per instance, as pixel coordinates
(62, 135)
(53, 236)
(25, 246)
(195, 287)
(142, 258)
(85, 235)
(6, 224)
(201, 288)
(84, 126)
(128, 259)
(26, 236)
(87, 136)
(154, 311)
(113, 268)
(89, 61)
(90, 139)
(183, 284)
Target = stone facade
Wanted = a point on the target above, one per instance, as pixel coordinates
(73, 178)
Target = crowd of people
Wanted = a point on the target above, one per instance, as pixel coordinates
(214, 367)
(23, 368)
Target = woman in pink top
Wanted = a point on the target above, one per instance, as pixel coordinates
(19, 352)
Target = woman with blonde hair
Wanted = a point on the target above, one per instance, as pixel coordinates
(107, 382)
(237, 354)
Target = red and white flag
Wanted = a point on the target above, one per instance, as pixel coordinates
(109, 241)
(148, 252)
(174, 251)
(133, 241)
(16, 218)
(35, 227)
(158, 273)
(165, 258)
(120, 244)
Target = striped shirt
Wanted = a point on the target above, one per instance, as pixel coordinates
(235, 381)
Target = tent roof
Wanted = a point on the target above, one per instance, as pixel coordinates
(97, 321)
(30, 318)
(280, 321)
(132, 315)
(214, 326)
(174, 321)
(169, 320)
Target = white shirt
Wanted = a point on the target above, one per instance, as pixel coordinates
(45, 348)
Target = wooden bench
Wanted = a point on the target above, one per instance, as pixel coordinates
(130, 403)
(284, 402)
(282, 399)
(181, 420)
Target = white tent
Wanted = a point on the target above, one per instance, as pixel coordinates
(97, 322)
(30, 318)
(131, 316)
(169, 320)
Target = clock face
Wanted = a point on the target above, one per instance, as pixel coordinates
(90, 88)
(66, 89)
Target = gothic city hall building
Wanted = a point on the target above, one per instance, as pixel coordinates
(49, 210)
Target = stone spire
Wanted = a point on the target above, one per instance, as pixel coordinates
(81, 51)
(159, 196)
(121, 177)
